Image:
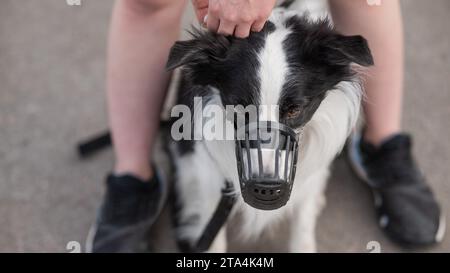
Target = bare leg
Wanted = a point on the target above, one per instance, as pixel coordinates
(421, 224)
(142, 32)
(382, 27)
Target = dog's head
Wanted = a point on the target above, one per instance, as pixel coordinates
(291, 63)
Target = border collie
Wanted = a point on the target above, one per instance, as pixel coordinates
(306, 69)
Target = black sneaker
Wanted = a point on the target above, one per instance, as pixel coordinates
(406, 207)
(129, 209)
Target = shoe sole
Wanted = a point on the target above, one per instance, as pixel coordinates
(90, 238)
(355, 161)
(89, 243)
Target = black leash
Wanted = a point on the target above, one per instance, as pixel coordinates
(94, 144)
(218, 219)
(103, 140)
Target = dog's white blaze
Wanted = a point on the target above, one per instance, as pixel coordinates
(273, 72)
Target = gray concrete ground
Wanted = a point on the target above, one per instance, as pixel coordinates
(52, 95)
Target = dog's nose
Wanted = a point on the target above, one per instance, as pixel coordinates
(268, 191)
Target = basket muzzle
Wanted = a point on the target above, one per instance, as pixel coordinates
(266, 154)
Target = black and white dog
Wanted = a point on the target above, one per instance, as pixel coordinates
(306, 69)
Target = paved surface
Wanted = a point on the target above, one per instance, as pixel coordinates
(51, 96)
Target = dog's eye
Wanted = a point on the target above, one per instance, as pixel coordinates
(293, 112)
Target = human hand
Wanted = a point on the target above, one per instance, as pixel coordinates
(233, 17)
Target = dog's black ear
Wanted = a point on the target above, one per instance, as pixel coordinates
(204, 48)
(184, 52)
(349, 49)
